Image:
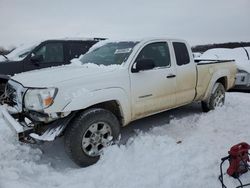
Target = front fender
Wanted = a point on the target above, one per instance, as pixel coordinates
(84, 99)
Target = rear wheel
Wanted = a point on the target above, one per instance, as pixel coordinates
(216, 99)
(90, 132)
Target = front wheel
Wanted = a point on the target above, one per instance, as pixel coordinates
(217, 98)
(90, 132)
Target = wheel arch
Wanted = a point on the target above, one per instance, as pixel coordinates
(112, 106)
(223, 80)
(218, 77)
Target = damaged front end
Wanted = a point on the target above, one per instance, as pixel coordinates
(30, 126)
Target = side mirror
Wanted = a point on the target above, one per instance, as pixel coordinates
(36, 58)
(143, 64)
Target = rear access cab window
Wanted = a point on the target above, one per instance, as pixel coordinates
(181, 53)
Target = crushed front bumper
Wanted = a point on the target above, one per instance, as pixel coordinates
(20, 129)
(29, 133)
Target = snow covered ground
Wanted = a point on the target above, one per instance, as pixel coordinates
(149, 155)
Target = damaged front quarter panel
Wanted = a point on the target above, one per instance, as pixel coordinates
(51, 131)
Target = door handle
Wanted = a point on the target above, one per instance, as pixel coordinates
(171, 76)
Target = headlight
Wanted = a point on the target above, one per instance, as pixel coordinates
(39, 99)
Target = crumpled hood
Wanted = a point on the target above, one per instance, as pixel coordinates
(50, 76)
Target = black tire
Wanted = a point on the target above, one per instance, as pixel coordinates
(75, 131)
(212, 103)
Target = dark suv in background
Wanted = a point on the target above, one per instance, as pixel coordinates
(41, 55)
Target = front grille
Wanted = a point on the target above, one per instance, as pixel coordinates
(11, 93)
(14, 94)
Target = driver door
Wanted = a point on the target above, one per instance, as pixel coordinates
(153, 90)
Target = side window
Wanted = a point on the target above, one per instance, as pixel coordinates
(158, 52)
(51, 52)
(181, 53)
(78, 48)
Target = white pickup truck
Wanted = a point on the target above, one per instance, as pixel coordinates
(115, 83)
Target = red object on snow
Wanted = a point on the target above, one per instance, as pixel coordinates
(238, 159)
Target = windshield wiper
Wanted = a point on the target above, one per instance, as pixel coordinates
(5, 57)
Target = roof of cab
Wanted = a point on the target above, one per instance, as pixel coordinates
(76, 39)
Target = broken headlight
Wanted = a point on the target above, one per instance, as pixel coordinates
(39, 99)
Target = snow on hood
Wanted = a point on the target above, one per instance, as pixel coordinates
(77, 62)
(237, 54)
(50, 76)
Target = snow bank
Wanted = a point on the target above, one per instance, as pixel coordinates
(152, 159)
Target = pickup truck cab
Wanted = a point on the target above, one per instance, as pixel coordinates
(113, 84)
(40, 55)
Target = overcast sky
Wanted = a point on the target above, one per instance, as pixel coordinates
(197, 21)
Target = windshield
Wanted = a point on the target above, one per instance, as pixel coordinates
(21, 52)
(112, 53)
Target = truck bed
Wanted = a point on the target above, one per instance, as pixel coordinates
(208, 67)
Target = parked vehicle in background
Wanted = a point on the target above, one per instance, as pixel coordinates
(113, 84)
(40, 55)
(242, 59)
(196, 54)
